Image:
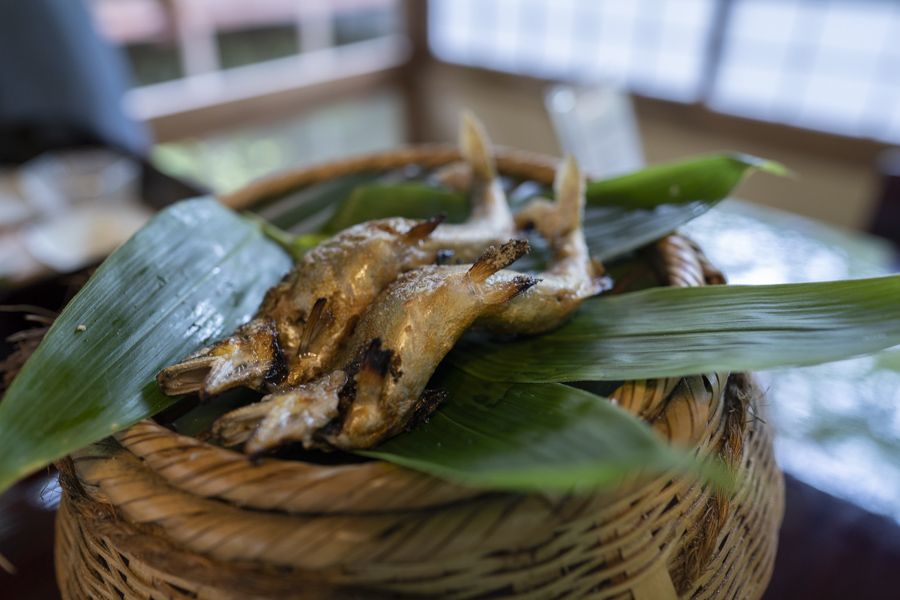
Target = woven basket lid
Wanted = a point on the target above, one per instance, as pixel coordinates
(212, 522)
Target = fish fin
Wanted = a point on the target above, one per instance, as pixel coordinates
(374, 366)
(185, 377)
(476, 147)
(296, 414)
(251, 358)
(278, 366)
(495, 259)
(423, 230)
(315, 321)
(237, 426)
(505, 290)
(366, 416)
(601, 281)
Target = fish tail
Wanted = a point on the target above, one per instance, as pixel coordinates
(476, 147)
(423, 230)
(555, 219)
(495, 259)
(569, 188)
(505, 290)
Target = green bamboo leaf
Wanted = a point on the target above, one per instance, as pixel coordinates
(627, 212)
(321, 210)
(410, 199)
(681, 331)
(527, 437)
(194, 272)
(707, 178)
(611, 231)
(622, 214)
(311, 206)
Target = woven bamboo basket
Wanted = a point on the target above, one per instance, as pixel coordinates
(151, 514)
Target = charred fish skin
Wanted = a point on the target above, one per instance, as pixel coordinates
(408, 329)
(317, 307)
(365, 267)
(572, 276)
(414, 323)
(393, 352)
(306, 316)
(317, 304)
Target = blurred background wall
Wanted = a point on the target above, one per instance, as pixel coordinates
(812, 83)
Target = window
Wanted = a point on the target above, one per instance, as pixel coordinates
(189, 54)
(832, 65)
(654, 47)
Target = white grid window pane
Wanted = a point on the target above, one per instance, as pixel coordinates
(833, 102)
(893, 129)
(656, 47)
(449, 31)
(758, 48)
(552, 33)
(772, 21)
(832, 65)
(820, 64)
(858, 26)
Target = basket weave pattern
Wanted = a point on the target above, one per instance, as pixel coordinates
(155, 515)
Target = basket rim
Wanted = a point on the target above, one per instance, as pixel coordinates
(538, 167)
